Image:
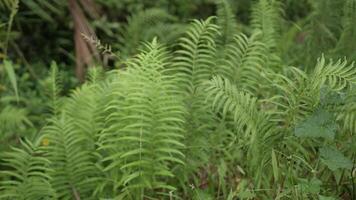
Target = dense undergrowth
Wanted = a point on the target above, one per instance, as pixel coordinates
(213, 109)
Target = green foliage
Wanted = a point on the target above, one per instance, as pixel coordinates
(320, 124)
(31, 180)
(145, 117)
(334, 159)
(215, 114)
(12, 77)
(153, 22)
(72, 170)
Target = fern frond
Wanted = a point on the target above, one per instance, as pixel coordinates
(132, 34)
(323, 29)
(294, 98)
(265, 17)
(249, 56)
(86, 107)
(167, 33)
(345, 45)
(227, 24)
(337, 75)
(53, 85)
(73, 171)
(26, 174)
(95, 75)
(253, 125)
(144, 125)
(194, 60)
(226, 21)
(194, 63)
(346, 113)
(299, 93)
(243, 106)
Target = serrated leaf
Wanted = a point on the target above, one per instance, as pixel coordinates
(319, 125)
(312, 187)
(330, 97)
(334, 159)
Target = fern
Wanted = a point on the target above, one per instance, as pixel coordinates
(144, 130)
(86, 106)
(300, 92)
(338, 76)
(54, 88)
(254, 125)
(346, 114)
(242, 105)
(193, 65)
(27, 174)
(132, 34)
(265, 17)
(227, 24)
(248, 56)
(194, 61)
(73, 171)
(226, 21)
(344, 47)
(221, 106)
(323, 29)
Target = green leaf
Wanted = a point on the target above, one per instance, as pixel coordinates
(334, 159)
(275, 166)
(321, 124)
(312, 187)
(321, 197)
(38, 10)
(12, 76)
(202, 195)
(247, 194)
(231, 195)
(330, 97)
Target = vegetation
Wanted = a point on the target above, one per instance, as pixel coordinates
(257, 101)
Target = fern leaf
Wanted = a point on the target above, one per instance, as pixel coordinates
(253, 124)
(265, 17)
(194, 61)
(337, 75)
(249, 56)
(27, 174)
(226, 21)
(145, 118)
(73, 170)
(132, 34)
